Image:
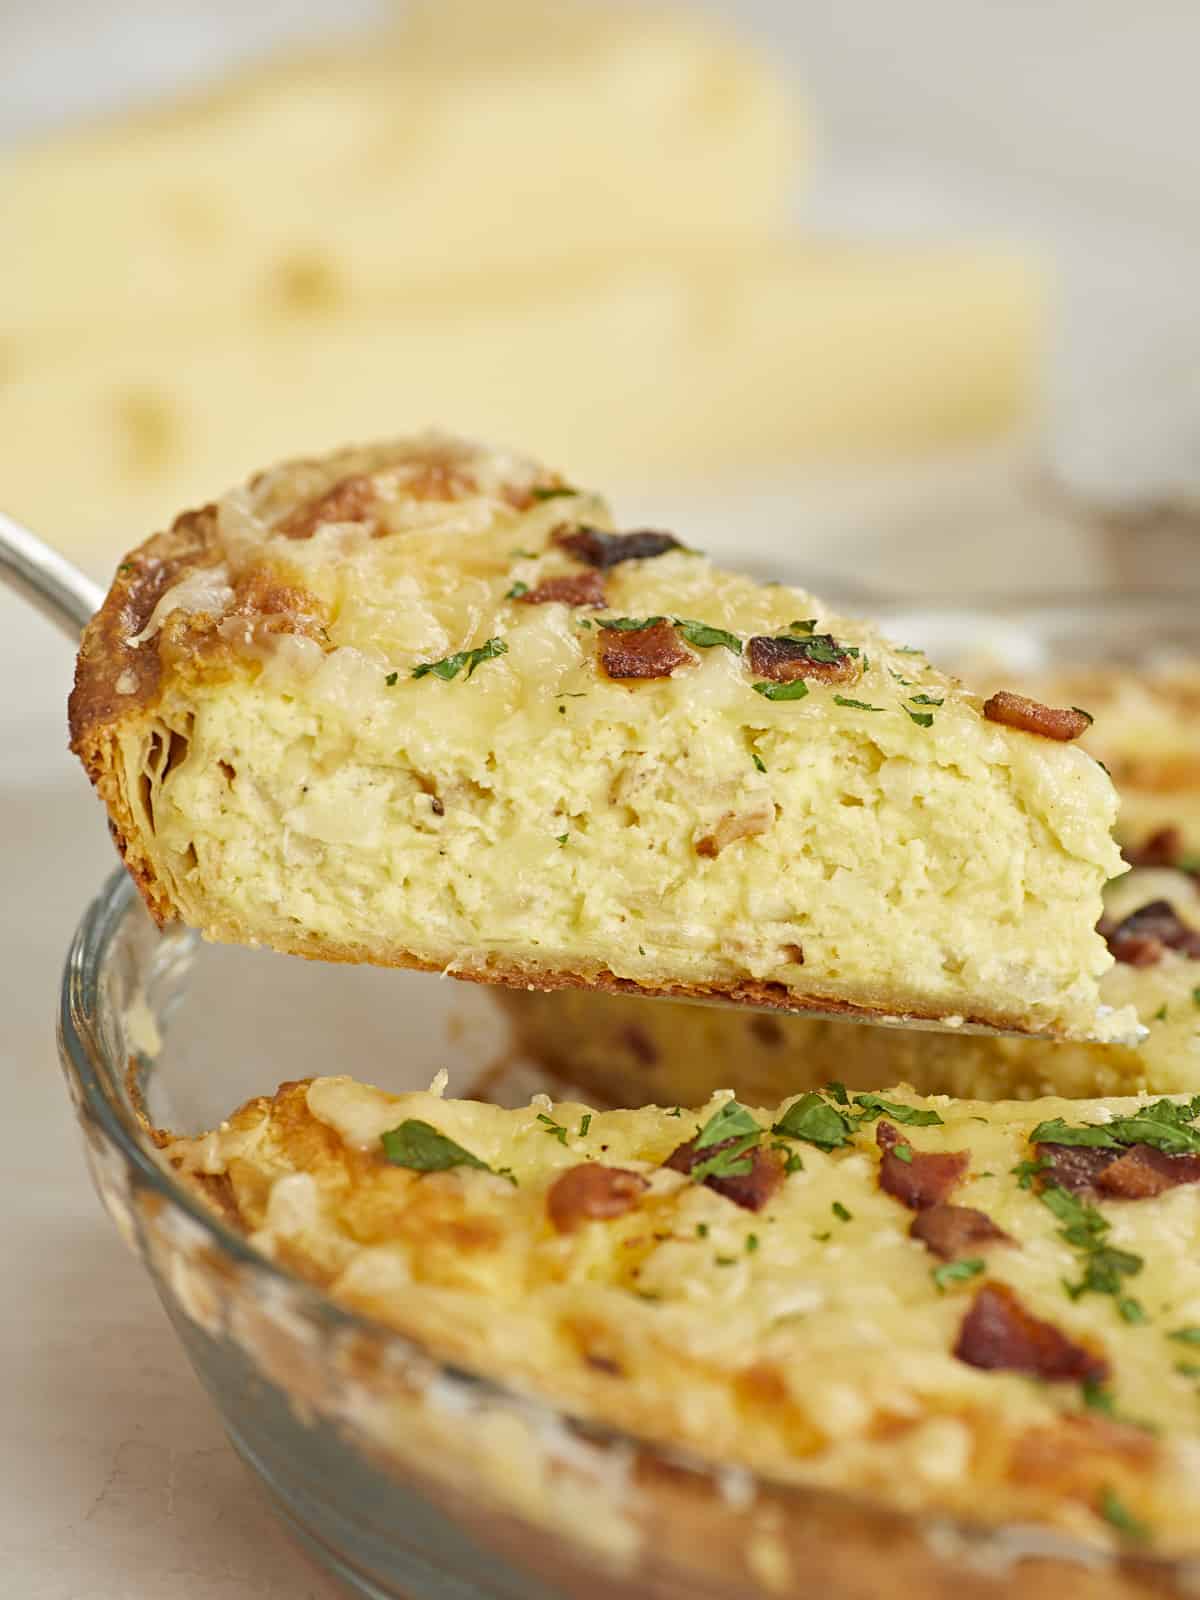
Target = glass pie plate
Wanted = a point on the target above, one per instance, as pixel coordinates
(406, 1476)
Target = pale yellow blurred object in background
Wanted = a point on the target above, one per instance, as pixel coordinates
(564, 224)
(478, 136)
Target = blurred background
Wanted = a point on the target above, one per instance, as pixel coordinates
(899, 299)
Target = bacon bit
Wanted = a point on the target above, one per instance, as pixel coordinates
(785, 660)
(735, 825)
(999, 1334)
(1073, 1167)
(590, 1192)
(751, 1190)
(652, 652)
(1140, 939)
(1162, 848)
(1142, 1172)
(640, 1045)
(954, 1231)
(583, 589)
(924, 1181)
(1018, 711)
(600, 549)
(351, 499)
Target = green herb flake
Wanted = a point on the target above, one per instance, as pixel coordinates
(1161, 1014)
(628, 624)
(705, 637)
(1131, 1310)
(1188, 1369)
(802, 625)
(724, 1261)
(1163, 1124)
(1097, 1398)
(390, 679)
(1117, 1514)
(822, 1238)
(731, 1122)
(816, 1122)
(957, 1272)
(840, 1211)
(702, 1230)
(751, 1243)
(554, 1129)
(675, 1111)
(873, 1105)
(125, 567)
(793, 1161)
(1104, 1267)
(907, 650)
(1026, 1171)
(517, 590)
(923, 719)
(554, 493)
(926, 700)
(1196, 997)
(760, 764)
(561, 838)
(422, 1148)
(796, 690)
(837, 1091)
(903, 1152)
(854, 705)
(1189, 1335)
(450, 666)
(585, 1123)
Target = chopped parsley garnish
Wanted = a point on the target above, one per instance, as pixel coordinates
(1164, 1125)
(957, 1272)
(1097, 1398)
(816, 1122)
(732, 1122)
(1161, 1014)
(1189, 1335)
(822, 1238)
(802, 625)
(555, 1129)
(923, 719)
(390, 679)
(675, 1111)
(837, 1091)
(1104, 1267)
(1196, 997)
(702, 1230)
(914, 1116)
(903, 1152)
(751, 1243)
(796, 690)
(854, 705)
(450, 666)
(1115, 1512)
(126, 566)
(419, 1146)
(1026, 1171)
(517, 590)
(552, 493)
(524, 555)
(758, 761)
(561, 838)
(793, 1161)
(705, 637)
(724, 1261)
(1188, 1369)
(926, 700)
(907, 650)
(585, 1123)
(840, 1211)
(628, 624)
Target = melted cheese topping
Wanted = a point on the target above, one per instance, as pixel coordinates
(883, 842)
(809, 1340)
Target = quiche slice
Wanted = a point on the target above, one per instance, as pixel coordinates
(947, 1306)
(626, 1053)
(420, 704)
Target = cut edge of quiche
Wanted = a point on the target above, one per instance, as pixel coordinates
(419, 704)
